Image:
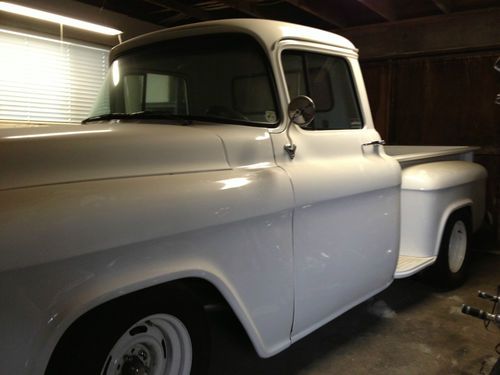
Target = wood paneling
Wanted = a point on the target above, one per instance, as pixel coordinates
(384, 8)
(456, 31)
(441, 100)
(447, 100)
(378, 78)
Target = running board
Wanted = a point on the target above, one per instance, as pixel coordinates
(408, 265)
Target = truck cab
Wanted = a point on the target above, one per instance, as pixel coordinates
(341, 182)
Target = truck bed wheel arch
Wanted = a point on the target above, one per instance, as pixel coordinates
(453, 257)
(463, 206)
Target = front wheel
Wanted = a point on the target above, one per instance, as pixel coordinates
(451, 266)
(137, 335)
(156, 344)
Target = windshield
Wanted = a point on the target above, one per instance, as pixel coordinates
(223, 77)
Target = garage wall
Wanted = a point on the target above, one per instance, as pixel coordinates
(445, 99)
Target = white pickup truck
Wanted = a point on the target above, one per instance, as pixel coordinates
(206, 171)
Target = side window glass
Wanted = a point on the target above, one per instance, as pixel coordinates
(328, 81)
(293, 64)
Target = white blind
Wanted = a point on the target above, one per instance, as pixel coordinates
(46, 80)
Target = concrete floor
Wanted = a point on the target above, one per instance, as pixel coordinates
(410, 328)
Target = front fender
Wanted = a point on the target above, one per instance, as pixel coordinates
(100, 240)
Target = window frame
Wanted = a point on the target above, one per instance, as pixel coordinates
(322, 49)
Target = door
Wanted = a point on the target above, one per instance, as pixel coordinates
(346, 219)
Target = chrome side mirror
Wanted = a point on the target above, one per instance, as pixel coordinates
(301, 111)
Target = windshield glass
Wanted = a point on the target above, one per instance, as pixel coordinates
(223, 77)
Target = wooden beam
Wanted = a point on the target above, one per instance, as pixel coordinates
(444, 5)
(436, 34)
(180, 7)
(172, 20)
(246, 7)
(382, 7)
(321, 9)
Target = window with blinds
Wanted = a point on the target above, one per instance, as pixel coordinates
(47, 80)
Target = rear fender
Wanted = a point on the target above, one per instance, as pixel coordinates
(431, 192)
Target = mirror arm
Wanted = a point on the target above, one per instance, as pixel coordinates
(290, 147)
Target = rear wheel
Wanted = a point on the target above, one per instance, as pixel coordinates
(136, 336)
(451, 266)
(457, 246)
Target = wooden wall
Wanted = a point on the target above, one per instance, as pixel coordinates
(443, 99)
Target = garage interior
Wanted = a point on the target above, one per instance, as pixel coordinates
(428, 68)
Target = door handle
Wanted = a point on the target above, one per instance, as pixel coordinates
(373, 143)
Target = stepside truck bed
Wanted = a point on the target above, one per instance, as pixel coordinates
(411, 155)
(434, 179)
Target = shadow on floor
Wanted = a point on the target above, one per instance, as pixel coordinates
(407, 329)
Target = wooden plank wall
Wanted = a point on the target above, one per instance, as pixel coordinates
(444, 99)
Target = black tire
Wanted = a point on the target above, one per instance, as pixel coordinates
(84, 349)
(496, 369)
(450, 271)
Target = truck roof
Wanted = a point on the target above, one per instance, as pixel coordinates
(267, 32)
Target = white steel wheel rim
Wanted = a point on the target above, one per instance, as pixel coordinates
(156, 345)
(457, 246)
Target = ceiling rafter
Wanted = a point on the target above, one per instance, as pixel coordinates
(179, 17)
(444, 5)
(246, 7)
(320, 9)
(211, 5)
(383, 8)
(443, 33)
(180, 7)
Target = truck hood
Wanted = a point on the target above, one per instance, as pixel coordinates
(43, 155)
